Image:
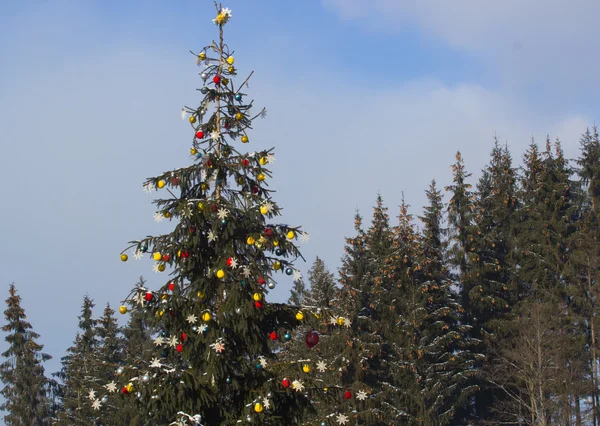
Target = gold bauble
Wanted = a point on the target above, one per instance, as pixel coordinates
(299, 316)
(124, 257)
(157, 256)
(123, 309)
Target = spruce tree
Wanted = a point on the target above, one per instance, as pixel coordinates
(322, 291)
(25, 389)
(298, 293)
(217, 335)
(80, 373)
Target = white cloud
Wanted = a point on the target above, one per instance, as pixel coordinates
(535, 41)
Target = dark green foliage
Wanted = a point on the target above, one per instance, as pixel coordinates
(26, 389)
(322, 291)
(298, 293)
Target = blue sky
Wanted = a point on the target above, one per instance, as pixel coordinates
(362, 96)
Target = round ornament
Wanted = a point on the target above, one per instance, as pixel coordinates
(217, 79)
(228, 380)
(249, 418)
(225, 81)
(273, 335)
(289, 271)
(286, 383)
(199, 134)
(271, 285)
(230, 60)
(124, 257)
(290, 235)
(263, 160)
(261, 281)
(161, 183)
(157, 256)
(206, 316)
(193, 151)
(245, 139)
(239, 116)
(347, 394)
(166, 257)
(144, 248)
(240, 180)
(261, 177)
(148, 296)
(250, 240)
(180, 348)
(185, 254)
(277, 265)
(311, 339)
(257, 297)
(202, 56)
(220, 274)
(278, 252)
(340, 321)
(255, 189)
(238, 97)
(245, 162)
(231, 69)
(171, 286)
(200, 295)
(192, 119)
(299, 316)
(258, 304)
(287, 337)
(145, 378)
(264, 210)
(275, 243)
(258, 407)
(306, 368)
(123, 309)
(161, 267)
(204, 90)
(204, 76)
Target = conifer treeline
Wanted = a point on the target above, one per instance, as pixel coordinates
(480, 311)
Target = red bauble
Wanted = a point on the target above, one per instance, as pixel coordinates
(273, 335)
(191, 229)
(286, 383)
(312, 339)
(245, 162)
(171, 286)
(347, 395)
(199, 134)
(258, 304)
(255, 189)
(229, 261)
(175, 181)
(268, 232)
(217, 79)
(185, 254)
(183, 337)
(208, 163)
(165, 257)
(214, 207)
(261, 281)
(124, 391)
(179, 347)
(148, 296)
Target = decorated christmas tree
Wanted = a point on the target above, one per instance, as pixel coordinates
(215, 345)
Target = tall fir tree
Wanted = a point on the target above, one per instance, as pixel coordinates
(26, 388)
(298, 293)
(217, 337)
(80, 373)
(322, 292)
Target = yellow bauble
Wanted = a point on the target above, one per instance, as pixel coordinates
(220, 273)
(257, 297)
(193, 151)
(178, 253)
(201, 206)
(239, 116)
(261, 177)
(206, 316)
(203, 186)
(167, 215)
(123, 309)
(161, 183)
(244, 139)
(240, 180)
(161, 267)
(262, 240)
(250, 240)
(291, 235)
(299, 316)
(124, 257)
(159, 313)
(231, 70)
(263, 160)
(264, 210)
(340, 321)
(157, 256)
(129, 387)
(325, 389)
(277, 266)
(192, 119)
(200, 295)
(225, 81)
(202, 55)
(230, 60)
(306, 368)
(275, 243)
(258, 407)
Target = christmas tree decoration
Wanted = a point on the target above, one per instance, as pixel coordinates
(230, 60)
(311, 339)
(245, 139)
(160, 183)
(123, 309)
(299, 316)
(306, 368)
(124, 257)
